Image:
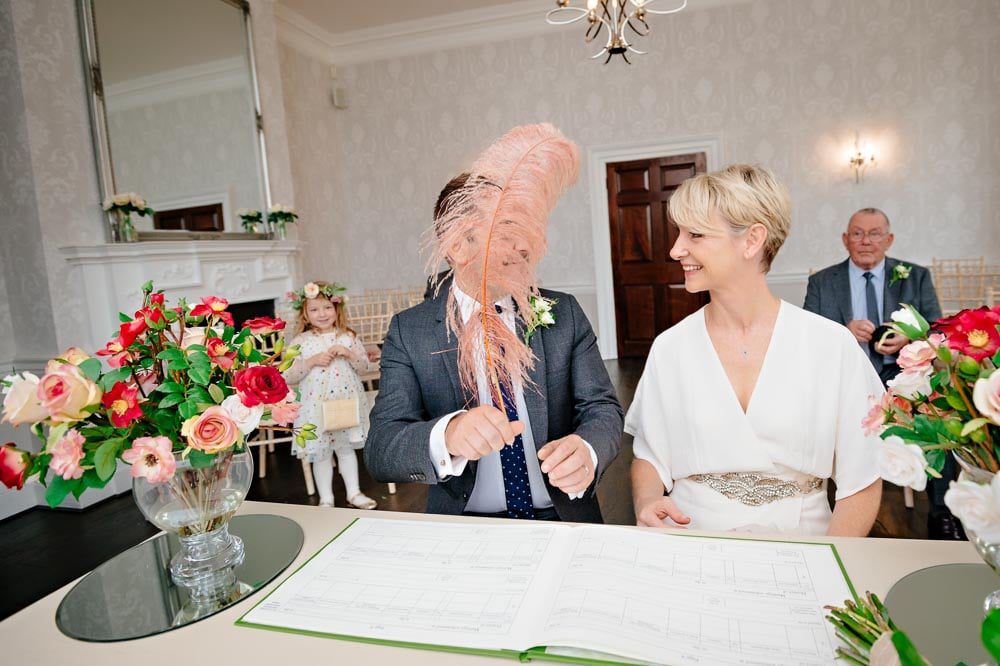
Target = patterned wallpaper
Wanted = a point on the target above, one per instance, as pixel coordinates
(782, 82)
(189, 146)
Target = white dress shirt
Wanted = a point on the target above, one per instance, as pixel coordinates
(488, 493)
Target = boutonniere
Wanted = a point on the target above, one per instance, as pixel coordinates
(899, 273)
(541, 315)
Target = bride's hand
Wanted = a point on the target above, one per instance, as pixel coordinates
(652, 512)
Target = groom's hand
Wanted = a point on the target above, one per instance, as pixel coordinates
(568, 463)
(479, 432)
(651, 512)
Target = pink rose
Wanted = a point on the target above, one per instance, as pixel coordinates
(211, 431)
(73, 356)
(917, 354)
(151, 457)
(13, 466)
(65, 392)
(21, 403)
(67, 454)
(986, 396)
(285, 412)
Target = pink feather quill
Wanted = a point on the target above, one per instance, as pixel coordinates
(513, 187)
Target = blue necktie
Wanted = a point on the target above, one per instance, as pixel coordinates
(516, 488)
(873, 314)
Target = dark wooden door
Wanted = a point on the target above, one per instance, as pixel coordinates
(649, 285)
(196, 218)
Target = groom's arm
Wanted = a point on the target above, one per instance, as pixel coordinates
(397, 446)
(598, 418)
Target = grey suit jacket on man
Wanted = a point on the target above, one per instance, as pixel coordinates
(829, 292)
(420, 384)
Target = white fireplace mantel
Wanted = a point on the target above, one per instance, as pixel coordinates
(238, 270)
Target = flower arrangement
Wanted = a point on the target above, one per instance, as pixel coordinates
(249, 218)
(182, 385)
(945, 400)
(121, 207)
(279, 215)
(311, 290)
(541, 315)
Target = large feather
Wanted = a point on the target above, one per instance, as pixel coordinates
(513, 187)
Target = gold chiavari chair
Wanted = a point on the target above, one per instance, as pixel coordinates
(960, 283)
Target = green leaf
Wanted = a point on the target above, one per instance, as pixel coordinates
(91, 369)
(124, 318)
(105, 459)
(974, 424)
(175, 366)
(911, 332)
(198, 394)
(58, 489)
(200, 375)
(90, 479)
(945, 354)
(112, 377)
(200, 459)
(171, 355)
(935, 458)
(188, 409)
(171, 400)
(955, 401)
(908, 655)
(991, 634)
(218, 396)
(170, 387)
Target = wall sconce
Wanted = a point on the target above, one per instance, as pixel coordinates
(862, 158)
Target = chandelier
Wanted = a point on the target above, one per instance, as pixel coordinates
(620, 18)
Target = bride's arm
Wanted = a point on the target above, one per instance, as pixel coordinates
(651, 507)
(855, 515)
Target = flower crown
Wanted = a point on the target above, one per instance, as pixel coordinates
(312, 290)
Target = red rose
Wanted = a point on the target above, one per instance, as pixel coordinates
(972, 332)
(260, 385)
(156, 299)
(213, 306)
(264, 325)
(122, 403)
(13, 465)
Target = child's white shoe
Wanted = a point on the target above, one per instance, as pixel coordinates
(362, 501)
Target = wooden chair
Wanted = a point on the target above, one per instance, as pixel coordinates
(960, 283)
(993, 296)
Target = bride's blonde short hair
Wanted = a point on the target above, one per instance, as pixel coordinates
(743, 194)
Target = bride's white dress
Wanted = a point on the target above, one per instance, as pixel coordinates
(803, 420)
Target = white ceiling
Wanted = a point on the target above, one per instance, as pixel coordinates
(338, 16)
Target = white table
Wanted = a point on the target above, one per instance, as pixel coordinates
(31, 636)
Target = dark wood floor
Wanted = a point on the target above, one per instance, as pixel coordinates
(41, 550)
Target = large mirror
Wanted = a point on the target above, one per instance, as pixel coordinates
(175, 109)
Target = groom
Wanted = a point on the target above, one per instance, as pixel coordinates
(532, 447)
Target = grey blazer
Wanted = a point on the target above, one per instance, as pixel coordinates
(829, 292)
(420, 384)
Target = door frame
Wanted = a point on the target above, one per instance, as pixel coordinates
(598, 157)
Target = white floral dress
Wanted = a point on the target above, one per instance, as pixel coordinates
(337, 381)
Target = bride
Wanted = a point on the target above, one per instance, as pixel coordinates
(747, 407)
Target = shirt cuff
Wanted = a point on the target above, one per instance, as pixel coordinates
(593, 459)
(445, 465)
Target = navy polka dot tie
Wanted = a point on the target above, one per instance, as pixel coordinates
(516, 488)
(515, 468)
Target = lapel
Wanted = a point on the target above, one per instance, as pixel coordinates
(535, 396)
(842, 286)
(890, 295)
(447, 348)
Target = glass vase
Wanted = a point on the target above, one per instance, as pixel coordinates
(196, 505)
(990, 552)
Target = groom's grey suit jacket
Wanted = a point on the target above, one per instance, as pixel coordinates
(829, 292)
(420, 384)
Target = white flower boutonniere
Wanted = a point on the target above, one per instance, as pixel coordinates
(899, 273)
(541, 315)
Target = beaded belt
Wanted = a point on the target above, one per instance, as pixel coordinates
(755, 489)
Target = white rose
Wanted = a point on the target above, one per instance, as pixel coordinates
(986, 396)
(21, 403)
(976, 506)
(246, 418)
(903, 271)
(121, 199)
(909, 383)
(902, 463)
(108, 203)
(905, 316)
(547, 319)
(311, 290)
(193, 335)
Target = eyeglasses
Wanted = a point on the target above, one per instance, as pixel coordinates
(875, 235)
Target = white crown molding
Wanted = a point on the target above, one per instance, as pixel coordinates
(225, 74)
(448, 31)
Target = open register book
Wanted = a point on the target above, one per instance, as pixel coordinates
(556, 592)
